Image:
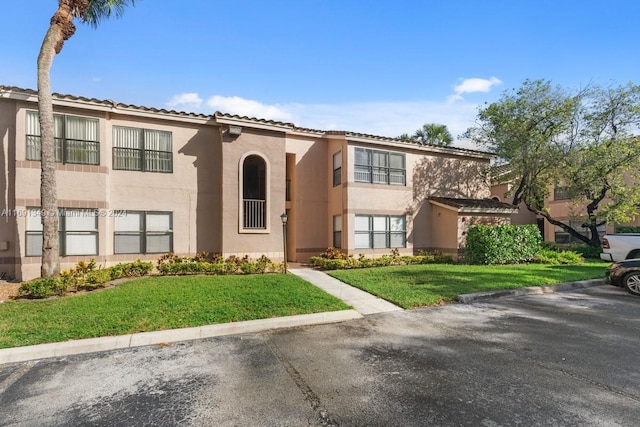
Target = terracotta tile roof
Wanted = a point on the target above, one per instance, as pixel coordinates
(474, 203)
(219, 114)
(105, 102)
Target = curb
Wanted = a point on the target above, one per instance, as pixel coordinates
(534, 290)
(91, 345)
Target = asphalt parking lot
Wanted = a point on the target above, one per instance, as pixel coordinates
(568, 358)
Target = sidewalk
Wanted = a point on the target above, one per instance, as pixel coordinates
(362, 302)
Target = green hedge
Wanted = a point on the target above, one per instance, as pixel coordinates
(622, 229)
(502, 244)
(205, 263)
(332, 259)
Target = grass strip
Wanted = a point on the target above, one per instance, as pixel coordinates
(413, 286)
(158, 303)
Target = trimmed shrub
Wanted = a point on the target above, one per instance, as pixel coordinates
(502, 244)
(339, 262)
(131, 269)
(42, 288)
(96, 279)
(84, 276)
(206, 263)
(548, 256)
(333, 253)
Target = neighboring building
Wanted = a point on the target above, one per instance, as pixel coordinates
(559, 206)
(137, 182)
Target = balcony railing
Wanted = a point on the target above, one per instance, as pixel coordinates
(254, 214)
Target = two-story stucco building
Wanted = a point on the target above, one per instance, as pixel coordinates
(136, 182)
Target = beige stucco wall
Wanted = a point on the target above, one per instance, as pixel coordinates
(8, 219)
(271, 147)
(192, 192)
(443, 176)
(444, 230)
(427, 174)
(313, 187)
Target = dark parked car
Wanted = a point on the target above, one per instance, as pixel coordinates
(625, 274)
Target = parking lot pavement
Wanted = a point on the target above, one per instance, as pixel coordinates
(567, 358)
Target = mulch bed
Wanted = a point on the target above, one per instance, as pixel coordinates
(8, 290)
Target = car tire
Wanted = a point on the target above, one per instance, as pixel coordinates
(631, 283)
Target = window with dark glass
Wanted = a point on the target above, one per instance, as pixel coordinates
(75, 138)
(560, 193)
(380, 231)
(78, 230)
(143, 150)
(379, 167)
(139, 232)
(337, 168)
(254, 193)
(337, 231)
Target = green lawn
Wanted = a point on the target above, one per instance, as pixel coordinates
(420, 285)
(157, 303)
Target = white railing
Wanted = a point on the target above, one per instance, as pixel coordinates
(254, 214)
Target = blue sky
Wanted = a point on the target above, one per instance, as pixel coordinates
(381, 67)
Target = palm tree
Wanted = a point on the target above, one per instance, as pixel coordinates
(61, 28)
(433, 134)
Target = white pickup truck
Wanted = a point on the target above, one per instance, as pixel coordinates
(618, 247)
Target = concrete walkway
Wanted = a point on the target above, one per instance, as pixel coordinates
(363, 302)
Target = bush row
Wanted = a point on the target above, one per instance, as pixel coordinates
(584, 250)
(205, 263)
(334, 259)
(550, 256)
(85, 276)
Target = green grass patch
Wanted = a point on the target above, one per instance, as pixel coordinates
(412, 286)
(158, 303)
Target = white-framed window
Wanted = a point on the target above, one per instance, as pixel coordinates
(337, 231)
(76, 139)
(337, 168)
(144, 150)
(379, 167)
(380, 231)
(77, 228)
(143, 232)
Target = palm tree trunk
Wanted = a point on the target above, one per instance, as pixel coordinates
(51, 45)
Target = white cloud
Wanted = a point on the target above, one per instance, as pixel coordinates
(471, 86)
(248, 107)
(383, 118)
(386, 118)
(185, 100)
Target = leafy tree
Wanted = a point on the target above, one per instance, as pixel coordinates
(61, 28)
(580, 141)
(430, 134)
